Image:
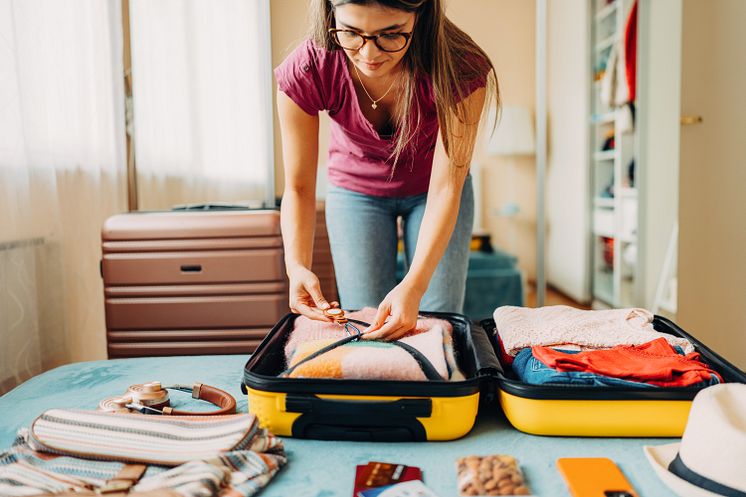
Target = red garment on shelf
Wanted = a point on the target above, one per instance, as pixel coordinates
(655, 362)
(630, 52)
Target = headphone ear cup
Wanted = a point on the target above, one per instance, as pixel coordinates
(115, 405)
(149, 394)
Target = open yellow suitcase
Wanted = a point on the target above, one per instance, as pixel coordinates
(446, 410)
(572, 410)
(369, 409)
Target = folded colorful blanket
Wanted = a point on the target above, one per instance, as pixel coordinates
(561, 325)
(368, 359)
(76, 451)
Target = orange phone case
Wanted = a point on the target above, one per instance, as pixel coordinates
(594, 477)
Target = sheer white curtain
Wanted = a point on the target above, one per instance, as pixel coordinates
(203, 133)
(61, 154)
(202, 100)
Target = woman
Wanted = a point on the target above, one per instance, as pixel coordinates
(405, 89)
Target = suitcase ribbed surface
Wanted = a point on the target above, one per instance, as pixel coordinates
(198, 282)
(186, 283)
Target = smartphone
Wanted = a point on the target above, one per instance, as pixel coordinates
(594, 477)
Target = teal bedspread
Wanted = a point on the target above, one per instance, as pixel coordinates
(325, 469)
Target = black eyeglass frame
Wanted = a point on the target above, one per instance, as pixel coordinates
(333, 32)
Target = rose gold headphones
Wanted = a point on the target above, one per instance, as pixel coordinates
(152, 398)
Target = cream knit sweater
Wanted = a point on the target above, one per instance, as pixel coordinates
(521, 327)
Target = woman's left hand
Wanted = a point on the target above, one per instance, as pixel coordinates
(396, 315)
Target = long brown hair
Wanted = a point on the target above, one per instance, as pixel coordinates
(438, 49)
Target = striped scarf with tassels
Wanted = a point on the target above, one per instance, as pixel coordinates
(192, 456)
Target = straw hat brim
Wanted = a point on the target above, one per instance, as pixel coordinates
(660, 456)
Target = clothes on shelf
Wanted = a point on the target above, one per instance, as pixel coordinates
(652, 364)
(626, 118)
(369, 359)
(609, 142)
(618, 83)
(630, 53)
(576, 329)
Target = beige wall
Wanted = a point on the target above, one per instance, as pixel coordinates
(289, 28)
(505, 30)
(289, 24)
(712, 178)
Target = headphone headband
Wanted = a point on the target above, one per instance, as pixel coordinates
(152, 398)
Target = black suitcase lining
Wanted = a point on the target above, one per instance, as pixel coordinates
(509, 382)
(474, 356)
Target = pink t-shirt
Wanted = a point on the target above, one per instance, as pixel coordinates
(359, 158)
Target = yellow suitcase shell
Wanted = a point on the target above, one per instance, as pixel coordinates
(581, 411)
(369, 409)
(451, 417)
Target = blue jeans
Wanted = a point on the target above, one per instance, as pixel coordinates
(531, 370)
(363, 240)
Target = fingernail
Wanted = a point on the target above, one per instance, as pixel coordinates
(325, 305)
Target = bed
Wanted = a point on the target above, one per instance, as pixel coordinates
(325, 469)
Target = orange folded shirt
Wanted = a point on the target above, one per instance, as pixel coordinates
(655, 362)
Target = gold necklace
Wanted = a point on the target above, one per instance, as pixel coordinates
(374, 103)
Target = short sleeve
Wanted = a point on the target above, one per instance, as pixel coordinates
(472, 85)
(475, 73)
(300, 78)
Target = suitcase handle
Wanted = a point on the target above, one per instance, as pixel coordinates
(309, 403)
(358, 419)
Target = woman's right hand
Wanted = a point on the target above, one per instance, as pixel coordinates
(305, 295)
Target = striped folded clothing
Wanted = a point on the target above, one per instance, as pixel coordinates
(368, 359)
(577, 329)
(71, 451)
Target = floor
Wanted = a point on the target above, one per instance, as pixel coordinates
(553, 297)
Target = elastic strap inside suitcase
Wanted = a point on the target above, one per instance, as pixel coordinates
(427, 367)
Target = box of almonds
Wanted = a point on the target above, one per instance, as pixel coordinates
(490, 475)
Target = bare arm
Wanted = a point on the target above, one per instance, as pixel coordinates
(441, 212)
(300, 133)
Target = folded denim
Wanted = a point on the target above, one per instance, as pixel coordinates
(531, 370)
(655, 362)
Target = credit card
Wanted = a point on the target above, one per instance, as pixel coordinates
(379, 474)
(405, 489)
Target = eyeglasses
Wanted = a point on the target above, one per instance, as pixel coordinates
(387, 42)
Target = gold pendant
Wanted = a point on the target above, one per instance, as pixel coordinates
(374, 105)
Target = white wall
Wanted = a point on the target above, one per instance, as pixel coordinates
(567, 256)
(659, 95)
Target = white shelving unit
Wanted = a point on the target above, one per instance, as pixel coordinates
(614, 218)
